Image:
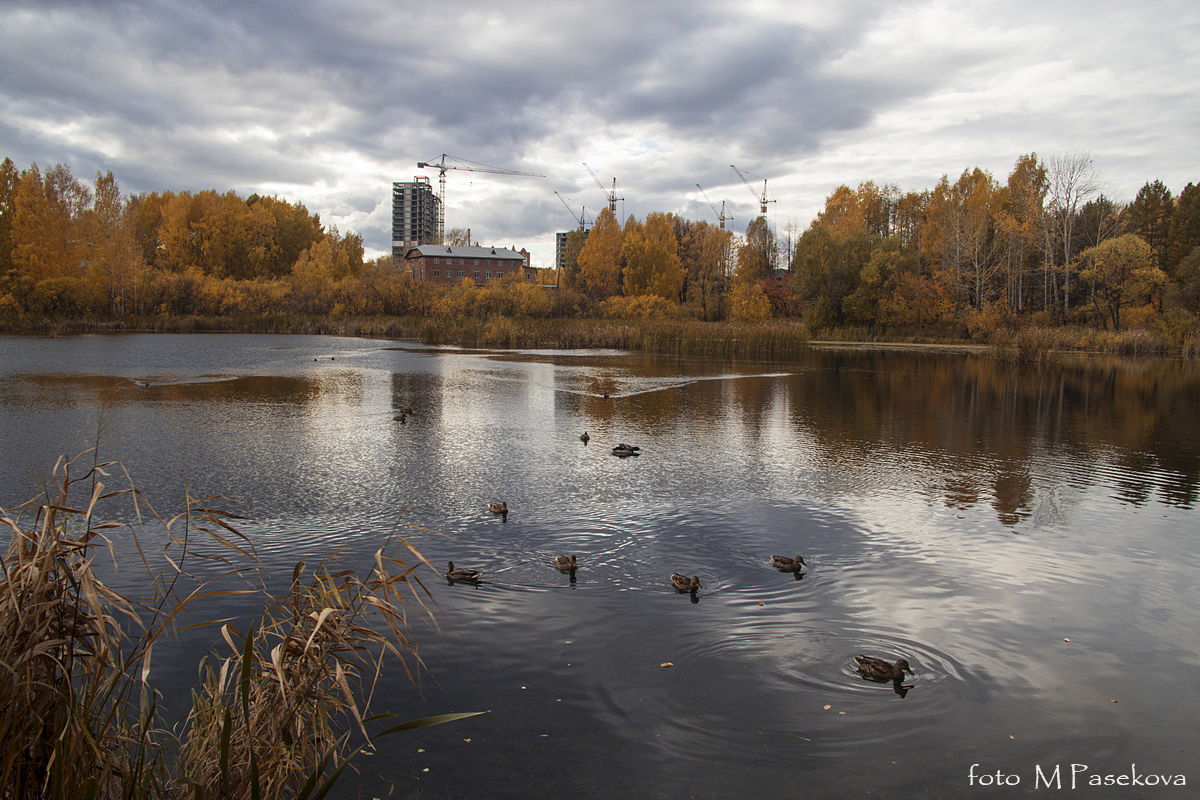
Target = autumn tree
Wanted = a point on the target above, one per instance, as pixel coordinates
(650, 252)
(1121, 272)
(757, 253)
(885, 292)
(9, 177)
(1072, 182)
(1187, 275)
(1149, 216)
(569, 271)
(909, 217)
(113, 258)
(878, 206)
(600, 258)
(49, 245)
(828, 266)
(1099, 219)
(706, 253)
(1185, 226)
(842, 213)
(1019, 218)
(960, 235)
(458, 237)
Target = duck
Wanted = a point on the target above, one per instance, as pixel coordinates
(685, 584)
(499, 508)
(583, 437)
(788, 564)
(565, 563)
(401, 418)
(624, 450)
(471, 575)
(876, 669)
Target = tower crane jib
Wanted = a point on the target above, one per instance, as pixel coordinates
(581, 218)
(462, 164)
(610, 195)
(721, 215)
(761, 197)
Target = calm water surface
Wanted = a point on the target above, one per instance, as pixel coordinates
(966, 515)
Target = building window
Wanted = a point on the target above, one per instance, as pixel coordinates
(477, 262)
(437, 273)
(489, 276)
(437, 261)
(476, 274)
(462, 273)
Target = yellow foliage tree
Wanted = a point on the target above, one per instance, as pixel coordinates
(1121, 272)
(600, 258)
(651, 255)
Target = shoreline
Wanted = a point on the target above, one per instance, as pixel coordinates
(769, 339)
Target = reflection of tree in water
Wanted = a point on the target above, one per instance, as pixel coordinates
(1009, 434)
(1012, 496)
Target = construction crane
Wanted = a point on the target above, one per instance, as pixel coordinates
(610, 195)
(581, 218)
(469, 166)
(720, 214)
(761, 198)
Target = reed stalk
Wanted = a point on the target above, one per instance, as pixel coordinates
(277, 713)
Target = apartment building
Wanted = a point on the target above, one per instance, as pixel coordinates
(414, 215)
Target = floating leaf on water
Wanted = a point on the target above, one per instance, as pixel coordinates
(1112, 701)
(667, 664)
(1066, 640)
(466, 740)
(828, 707)
(761, 603)
(843, 713)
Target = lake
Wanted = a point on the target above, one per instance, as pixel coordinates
(1025, 536)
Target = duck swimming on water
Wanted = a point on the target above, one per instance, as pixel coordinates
(461, 574)
(685, 584)
(876, 669)
(788, 564)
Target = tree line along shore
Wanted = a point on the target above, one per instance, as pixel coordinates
(1039, 262)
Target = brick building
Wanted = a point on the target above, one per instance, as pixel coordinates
(440, 263)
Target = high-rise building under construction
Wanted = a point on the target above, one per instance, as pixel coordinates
(414, 215)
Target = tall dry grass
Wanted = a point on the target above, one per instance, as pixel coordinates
(1038, 343)
(282, 707)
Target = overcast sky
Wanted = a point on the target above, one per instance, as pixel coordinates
(327, 103)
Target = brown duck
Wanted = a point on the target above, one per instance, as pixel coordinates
(788, 564)
(685, 584)
(461, 574)
(876, 669)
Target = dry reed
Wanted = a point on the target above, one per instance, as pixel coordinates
(275, 715)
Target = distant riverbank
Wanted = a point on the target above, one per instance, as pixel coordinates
(770, 338)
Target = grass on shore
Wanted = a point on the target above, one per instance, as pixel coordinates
(276, 711)
(769, 339)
